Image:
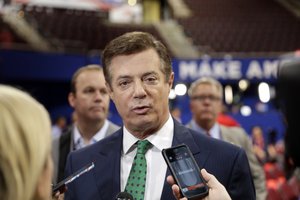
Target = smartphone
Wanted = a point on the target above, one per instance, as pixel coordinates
(61, 186)
(185, 171)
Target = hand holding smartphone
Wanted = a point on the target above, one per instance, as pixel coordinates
(185, 171)
(61, 186)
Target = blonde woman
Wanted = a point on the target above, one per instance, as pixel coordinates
(25, 144)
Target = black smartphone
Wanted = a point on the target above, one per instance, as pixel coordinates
(185, 171)
(61, 186)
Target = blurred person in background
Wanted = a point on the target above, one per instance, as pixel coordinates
(259, 145)
(206, 103)
(58, 126)
(266, 151)
(275, 148)
(26, 165)
(90, 100)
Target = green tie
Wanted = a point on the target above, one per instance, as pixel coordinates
(137, 177)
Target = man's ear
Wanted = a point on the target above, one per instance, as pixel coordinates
(171, 80)
(71, 99)
(109, 90)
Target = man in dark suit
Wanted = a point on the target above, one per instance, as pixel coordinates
(139, 78)
(90, 100)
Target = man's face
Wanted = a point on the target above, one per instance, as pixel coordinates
(140, 91)
(205, 104)
(91, 100)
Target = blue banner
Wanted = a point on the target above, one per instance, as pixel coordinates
(226, 69)
(47, 66)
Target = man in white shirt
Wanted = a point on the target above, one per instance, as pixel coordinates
(139, 77)
(58, 126)
(90, 100)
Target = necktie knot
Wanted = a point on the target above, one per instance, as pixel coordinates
(143, 146)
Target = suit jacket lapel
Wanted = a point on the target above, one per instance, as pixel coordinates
(107, 167)
(182, 135)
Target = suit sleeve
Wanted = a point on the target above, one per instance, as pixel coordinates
(240, 183)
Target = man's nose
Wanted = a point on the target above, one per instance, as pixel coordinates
(139, 89)
(99, 95)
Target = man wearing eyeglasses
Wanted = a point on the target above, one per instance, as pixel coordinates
(206, 96)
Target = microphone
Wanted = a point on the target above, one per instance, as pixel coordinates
(124, 196)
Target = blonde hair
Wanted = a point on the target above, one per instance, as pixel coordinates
(25, 143)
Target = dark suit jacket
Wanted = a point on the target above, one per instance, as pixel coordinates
(227, 162)
(62, 146)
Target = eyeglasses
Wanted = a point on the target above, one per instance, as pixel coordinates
(203, 97)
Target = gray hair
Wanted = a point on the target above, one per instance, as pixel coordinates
(206, 81)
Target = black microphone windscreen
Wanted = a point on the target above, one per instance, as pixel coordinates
(124, 196)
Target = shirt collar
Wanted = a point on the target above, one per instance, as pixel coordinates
(196, 127)
(98, 136)
(161, 139)
(102, 132)
(214, 131)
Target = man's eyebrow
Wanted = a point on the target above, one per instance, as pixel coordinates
(150, 73)
(123, 77)
(88, 87)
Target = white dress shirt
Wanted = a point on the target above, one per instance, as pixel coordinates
(156, 166)
(78, 139)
